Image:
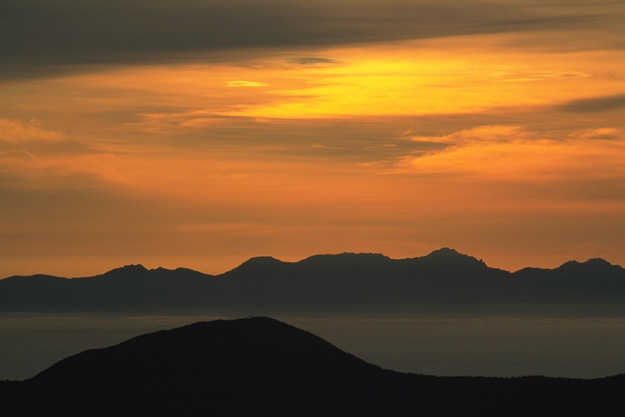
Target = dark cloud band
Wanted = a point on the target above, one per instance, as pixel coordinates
(41, 36)
(596, 104)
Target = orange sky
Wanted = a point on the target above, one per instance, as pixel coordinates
(503, 140)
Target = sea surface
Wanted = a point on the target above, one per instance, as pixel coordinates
(484, 346)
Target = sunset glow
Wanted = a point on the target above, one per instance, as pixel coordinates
(499, 136)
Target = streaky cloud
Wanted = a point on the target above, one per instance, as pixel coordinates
(596, 104)
(313, 60)
(243, 83)
(15, 131)
(43, 38)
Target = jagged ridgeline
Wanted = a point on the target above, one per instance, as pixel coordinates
(442, 280)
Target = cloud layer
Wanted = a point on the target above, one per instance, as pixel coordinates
(40, 37)
(596, 104)
(203, 132)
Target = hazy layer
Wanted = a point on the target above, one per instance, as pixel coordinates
(491, 346)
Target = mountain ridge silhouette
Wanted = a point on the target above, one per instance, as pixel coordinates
(347, 282)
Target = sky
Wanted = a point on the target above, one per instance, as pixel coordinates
(200, 133)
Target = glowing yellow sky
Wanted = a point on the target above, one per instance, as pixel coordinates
(495, 144)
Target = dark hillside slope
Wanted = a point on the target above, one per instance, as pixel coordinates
(262, 367)
(237, 367)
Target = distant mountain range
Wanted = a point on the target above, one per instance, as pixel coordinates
(263, 367)
(347, 283)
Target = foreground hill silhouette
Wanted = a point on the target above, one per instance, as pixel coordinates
(326, 283)
(262, 367)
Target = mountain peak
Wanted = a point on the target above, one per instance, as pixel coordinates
(126, 270)
(598, 262)
(130, 268)
(259, 262)
(345, 258)
(451, 256)
(260, 366)
(590, 264)
(445, 249)
(255, 346)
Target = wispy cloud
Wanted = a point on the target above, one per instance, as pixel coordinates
(540, 75)
(19, 155)
(16, 131)
(242, 83)
(511, 153)
(313, 60)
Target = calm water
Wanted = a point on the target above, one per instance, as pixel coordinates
(496, 346)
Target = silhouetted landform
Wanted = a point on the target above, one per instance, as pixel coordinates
(263, 367)
(328, 283)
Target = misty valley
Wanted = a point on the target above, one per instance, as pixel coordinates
(262, 366)
(429, 322)
(452, 346)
